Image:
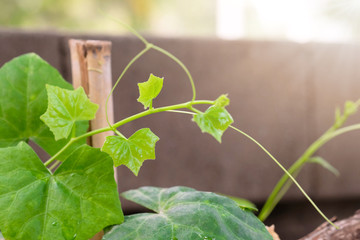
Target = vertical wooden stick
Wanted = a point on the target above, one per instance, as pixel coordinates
(91, 69)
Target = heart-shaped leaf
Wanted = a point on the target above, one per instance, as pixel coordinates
(65, 108)
(215, 120)
(132, 152)
(150, 90)
(185, 214)
(75, 202)
(23, 99)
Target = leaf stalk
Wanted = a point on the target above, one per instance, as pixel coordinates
(284, 183)
(186, 105)
(287, 174)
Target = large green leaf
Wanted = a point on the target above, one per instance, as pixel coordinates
(150, 90)
(185, 214)
(75, 202)
(215, 120)
(65, 108)
(23, 99)
(131, 152)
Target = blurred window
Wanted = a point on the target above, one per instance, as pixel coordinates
(296, 20)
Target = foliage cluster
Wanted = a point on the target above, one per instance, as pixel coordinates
(80, 197)
(73, 194)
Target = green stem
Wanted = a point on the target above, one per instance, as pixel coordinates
(343, 130)
(275, 196)
(187, 105)
(55, 165)
(179, 111)
(163, 51)
(147, 48)
(53, 158)
(195, 110)
(118, 133)
(287, 173)
(283, 184)
(128, 27)
(162, 109)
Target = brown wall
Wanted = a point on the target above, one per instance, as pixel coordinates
(283, 94)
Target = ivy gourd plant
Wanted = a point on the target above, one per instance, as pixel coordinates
(80, 197)
(73, 195)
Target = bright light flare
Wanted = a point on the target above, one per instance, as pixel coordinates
(230, 19)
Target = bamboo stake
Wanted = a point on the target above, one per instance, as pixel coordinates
(91, 69)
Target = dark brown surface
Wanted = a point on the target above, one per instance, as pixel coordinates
(347, 229)
(295, 219)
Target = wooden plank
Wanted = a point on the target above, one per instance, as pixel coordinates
(91, 69)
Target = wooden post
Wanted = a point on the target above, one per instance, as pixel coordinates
(91, 69)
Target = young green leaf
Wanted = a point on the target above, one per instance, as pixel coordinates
(150, 90)
(215, 120)
(325, 164)
(183, 213)
(350, 108)
(23, 99)
(131, 152)
(222, 101)
(78, 200)
(65, 108)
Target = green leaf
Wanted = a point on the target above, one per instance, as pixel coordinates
(222, 101)
(65, 108)
(350, 108)
(131, 152)
(243, 203)
(215, 120)
(77, 201)
(23, 99)
(185, 214)
(325, 164)
(150, 90)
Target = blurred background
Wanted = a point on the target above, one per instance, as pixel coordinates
(296, 20)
